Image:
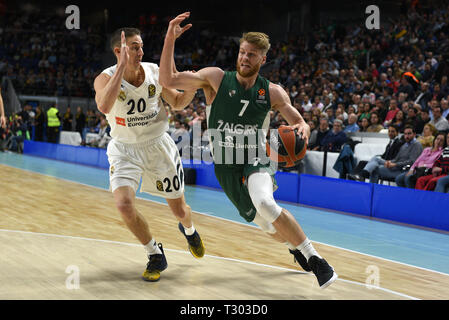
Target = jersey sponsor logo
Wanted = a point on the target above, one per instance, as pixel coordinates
(142, 121)
(236, 128)
(151, 90)
(120, 121)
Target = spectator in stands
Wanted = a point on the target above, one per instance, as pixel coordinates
(407, 155)
(352, 124)
(375, 126)
(19, 132)
(318, 134)
(440, 123)
(423, 164)
(428, 135)
(103, 138)
(445, 108)
(422, 118)
(364, 125)
(364, 169)
(442, 184)
(392, 110)
(53, 124)
(80, 118)
(335, 138)
(181, 137)
(424, 95)
(39, 123)
(364, 111)
(91, 124)
(440, 170)
(67, 120)
(406, 88)
(399, 121)
(411, 117)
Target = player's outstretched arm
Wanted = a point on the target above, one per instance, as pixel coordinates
(281, 102)
(108, 88)
(169, 77)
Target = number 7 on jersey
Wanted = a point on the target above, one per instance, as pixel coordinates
(245, 105)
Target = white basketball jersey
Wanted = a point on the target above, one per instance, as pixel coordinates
(138, 114)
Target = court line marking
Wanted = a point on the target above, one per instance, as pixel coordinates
(207, 255)
(212, 216)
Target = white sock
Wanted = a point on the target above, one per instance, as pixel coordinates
(189, 231)
(290, 246)
(307, 249)
(152, 248)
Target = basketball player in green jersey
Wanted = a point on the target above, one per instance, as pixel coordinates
(239, 103)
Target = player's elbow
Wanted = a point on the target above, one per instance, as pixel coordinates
(166, 82)
(102, 108)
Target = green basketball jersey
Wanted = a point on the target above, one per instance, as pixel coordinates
(238, 121)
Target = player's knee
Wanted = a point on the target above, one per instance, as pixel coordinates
(126, 207)
(268, 209)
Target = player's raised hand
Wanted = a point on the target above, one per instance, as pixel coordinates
(124, 51)
(174, 27)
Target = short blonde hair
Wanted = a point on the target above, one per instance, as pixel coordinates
(259, 39)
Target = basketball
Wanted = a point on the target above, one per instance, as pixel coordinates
(286, 147)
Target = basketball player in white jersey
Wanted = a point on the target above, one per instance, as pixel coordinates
(129, 94)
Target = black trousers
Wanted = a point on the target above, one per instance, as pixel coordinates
(52, 134)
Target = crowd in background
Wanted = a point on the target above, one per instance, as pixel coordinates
(341, 78)
(42, 57)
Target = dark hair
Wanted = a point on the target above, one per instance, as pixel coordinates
(408, 126)
(396, 127)
(438, 107)
(440, 133)
(116, 36)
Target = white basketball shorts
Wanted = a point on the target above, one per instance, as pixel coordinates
(156, 162)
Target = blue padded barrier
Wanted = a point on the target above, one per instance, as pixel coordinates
(335, 194)
(77, 154)
(288, 186)
(417, 207)
(288, 182)
(205, 174)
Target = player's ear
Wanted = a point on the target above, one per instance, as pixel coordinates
(117, 52)
(264, 59)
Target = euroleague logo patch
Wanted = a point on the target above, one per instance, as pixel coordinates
(261, 96)
(159, 185)
(112, 170)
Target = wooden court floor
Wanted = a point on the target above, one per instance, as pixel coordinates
(52, 230)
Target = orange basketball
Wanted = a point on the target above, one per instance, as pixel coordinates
(286, 147)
